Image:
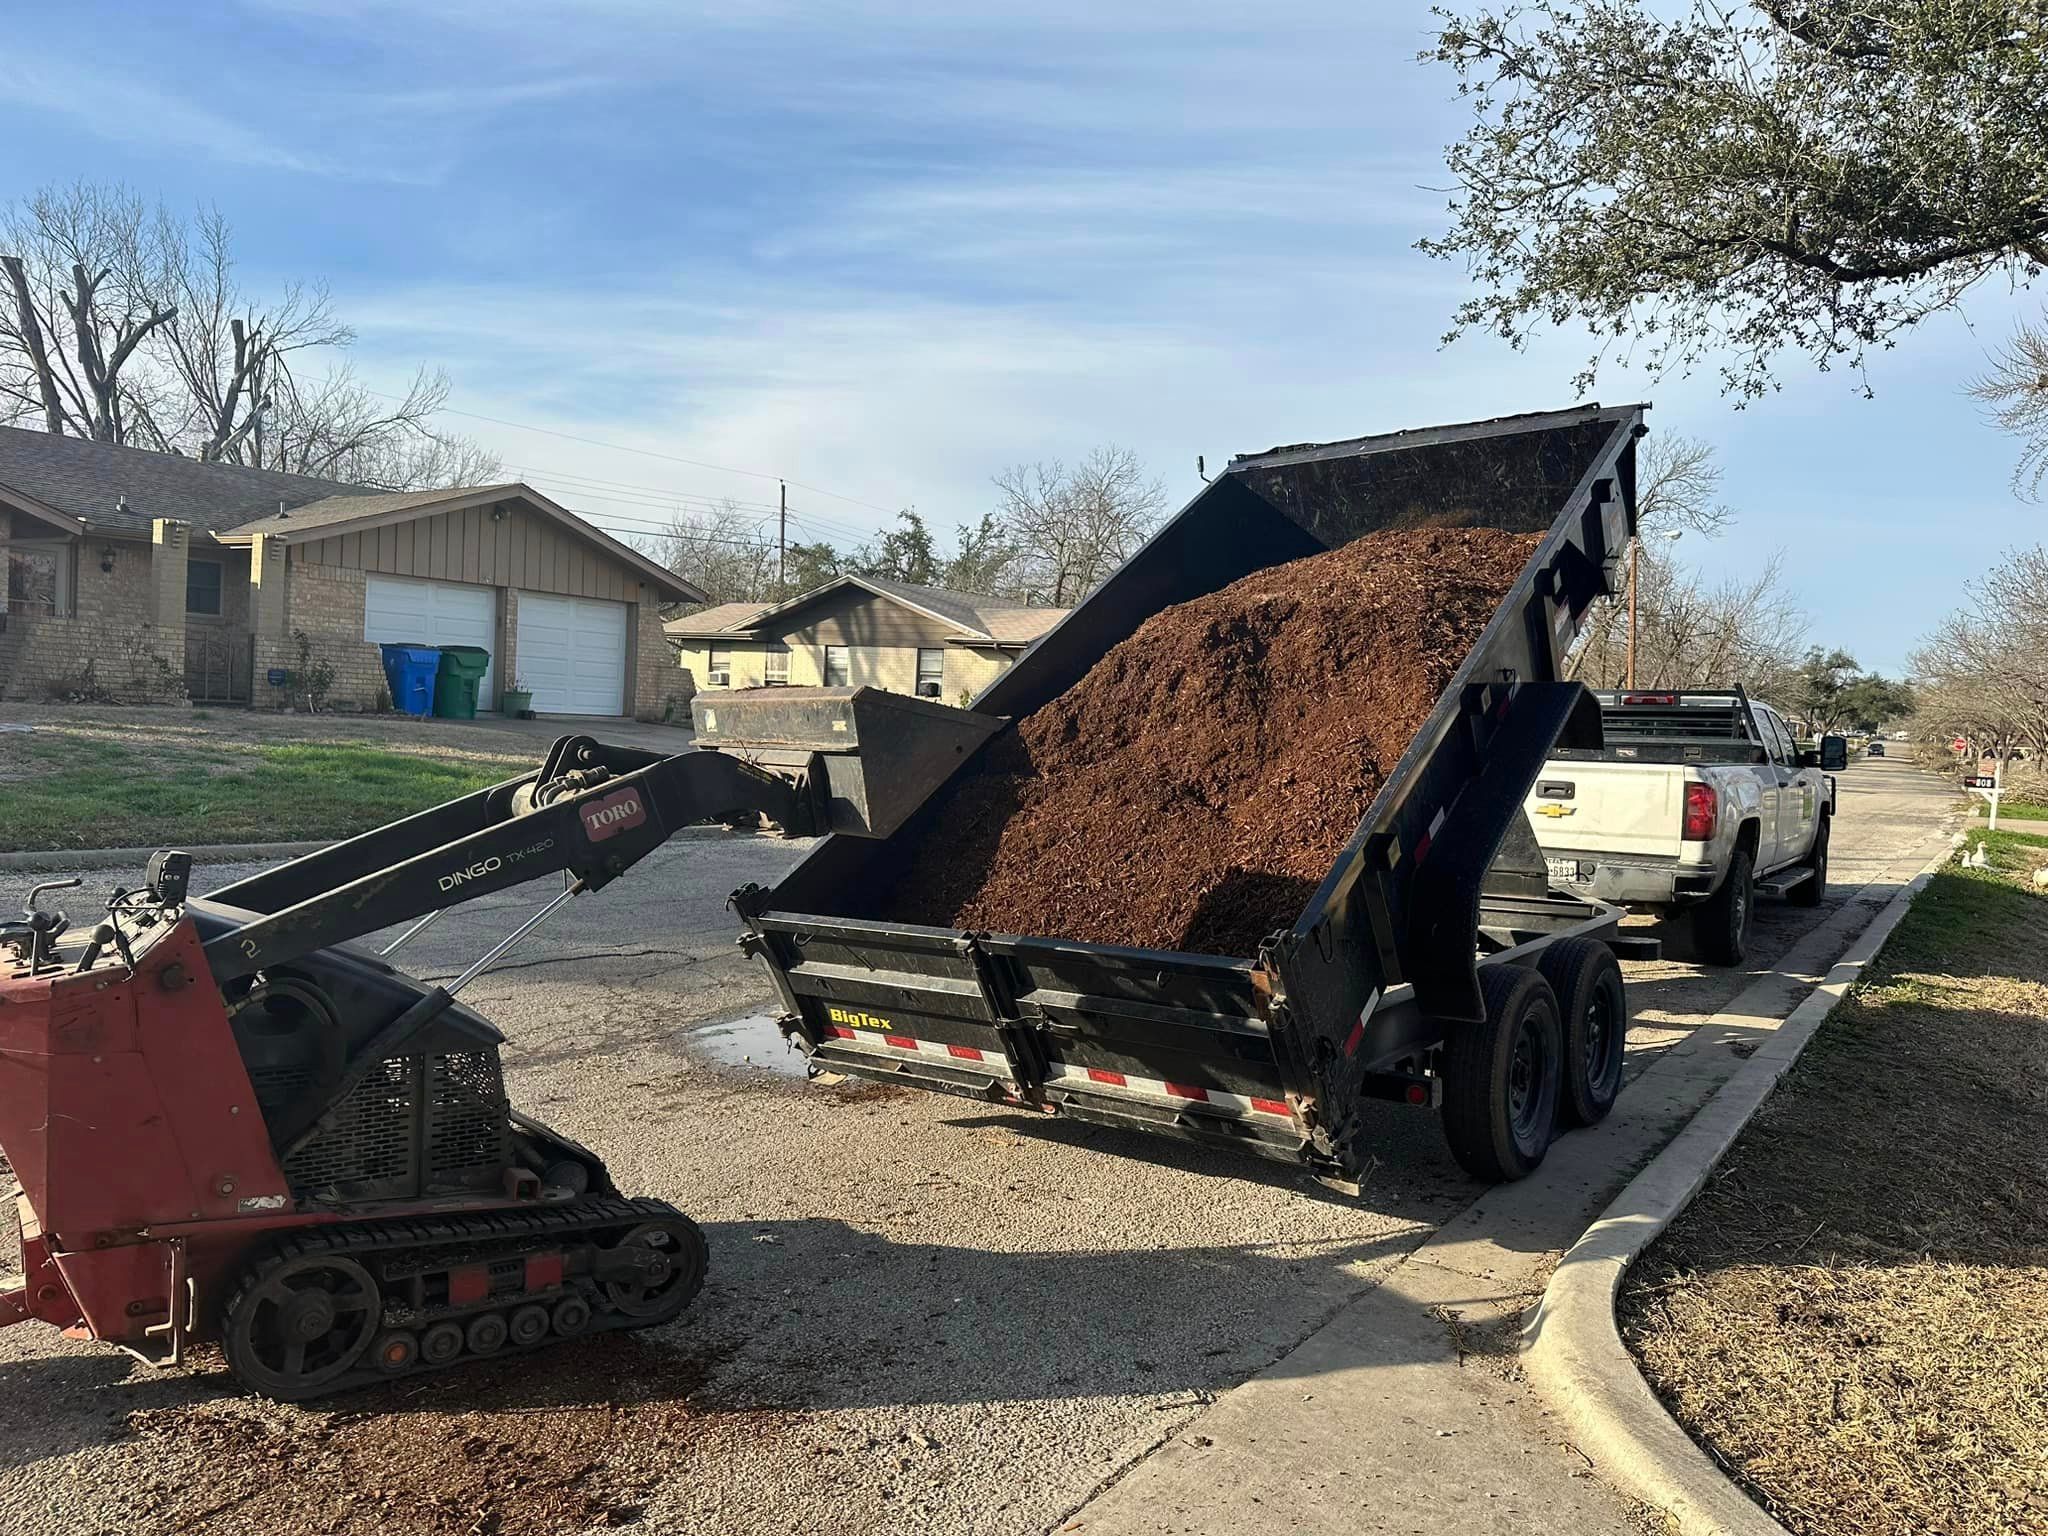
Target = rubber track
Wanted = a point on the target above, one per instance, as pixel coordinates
(588, 1217)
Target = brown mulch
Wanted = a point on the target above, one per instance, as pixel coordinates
(539, 1445)
(1195, 787)
(1853, 1316)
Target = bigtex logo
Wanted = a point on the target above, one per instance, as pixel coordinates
(853, 1020)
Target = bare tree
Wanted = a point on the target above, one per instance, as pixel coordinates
(2015, 393)
(724, 551)
(1983, 673)
(233, 354)
(1678, 487)
(1072, 526)
(1697, 634)
(88, 285)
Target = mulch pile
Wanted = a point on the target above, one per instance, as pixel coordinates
(1194, 788)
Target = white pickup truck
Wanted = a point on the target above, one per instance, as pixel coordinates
(1697, 800)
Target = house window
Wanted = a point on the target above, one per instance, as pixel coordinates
(202, 587)
(775, 666)
(931, 672)
(720, 670)
(36, 583)
(838, 668)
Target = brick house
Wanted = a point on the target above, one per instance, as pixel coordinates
(862, 630)
(156, 569)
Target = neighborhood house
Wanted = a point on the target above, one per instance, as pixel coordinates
(862, 630)
(152, 569)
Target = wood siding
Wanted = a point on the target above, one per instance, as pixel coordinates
(522, 550)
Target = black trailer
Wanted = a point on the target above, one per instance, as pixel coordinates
(1398, 981)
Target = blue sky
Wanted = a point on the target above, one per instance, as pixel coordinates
(885, 249)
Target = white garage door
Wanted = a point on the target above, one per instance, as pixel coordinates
(572, 654)
(399, 611)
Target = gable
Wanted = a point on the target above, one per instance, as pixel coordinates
(521, 549)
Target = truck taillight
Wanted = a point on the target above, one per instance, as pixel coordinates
(1649, 698)
(1700, 806)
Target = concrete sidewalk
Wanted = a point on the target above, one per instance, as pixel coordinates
(1407, 1412)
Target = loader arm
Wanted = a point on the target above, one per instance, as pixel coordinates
(592, 809)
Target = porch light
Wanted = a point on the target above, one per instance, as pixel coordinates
(107, 553)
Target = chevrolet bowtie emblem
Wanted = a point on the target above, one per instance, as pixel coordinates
(1555, 811)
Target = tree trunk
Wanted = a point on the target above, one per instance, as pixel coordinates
(54, 417)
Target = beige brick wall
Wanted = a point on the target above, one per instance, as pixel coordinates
(653, 681)
(969, 671)
(326, 603)
(109, 625)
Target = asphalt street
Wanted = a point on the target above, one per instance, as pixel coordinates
(923, 1314)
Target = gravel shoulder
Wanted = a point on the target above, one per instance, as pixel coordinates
(922, 1315)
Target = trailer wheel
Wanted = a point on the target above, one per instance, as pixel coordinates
(1587, 980)
(1501, 1077)
(1720, 924)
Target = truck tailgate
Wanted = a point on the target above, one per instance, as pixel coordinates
(1627, 809)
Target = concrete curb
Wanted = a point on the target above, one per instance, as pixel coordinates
(64, 860)
(1573, 1351)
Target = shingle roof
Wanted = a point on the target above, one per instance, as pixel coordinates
(985, 620)
(359, 504)
(90, 481)
(712, 621)
(122, 489)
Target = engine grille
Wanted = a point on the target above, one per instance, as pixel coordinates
(370, 1151)
(415, 1126)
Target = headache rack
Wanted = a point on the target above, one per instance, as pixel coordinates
(1277, 1052)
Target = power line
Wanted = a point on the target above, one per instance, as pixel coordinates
(723, 469)
(663, 496)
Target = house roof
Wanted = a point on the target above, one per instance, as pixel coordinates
(351, 513)
(979, 620)
(77, 484)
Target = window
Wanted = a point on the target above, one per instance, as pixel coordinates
(720, 670)
(36, 582)
(931, 673)
(775, 667)
(838, 669)
(202, 587)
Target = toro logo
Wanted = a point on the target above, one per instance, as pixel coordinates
(613, 814)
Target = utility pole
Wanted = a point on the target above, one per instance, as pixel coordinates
(1635, 549)
(782, 543)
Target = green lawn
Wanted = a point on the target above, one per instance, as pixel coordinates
(85, 791)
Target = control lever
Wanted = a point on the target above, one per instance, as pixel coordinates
(45, 926)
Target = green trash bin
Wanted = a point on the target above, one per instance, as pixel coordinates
(461, 674)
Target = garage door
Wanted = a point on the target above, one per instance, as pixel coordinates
(397, 611)
(572, 654)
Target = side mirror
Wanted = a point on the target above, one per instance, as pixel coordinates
(1834, 752)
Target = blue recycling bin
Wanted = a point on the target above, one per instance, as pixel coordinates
(409, 670)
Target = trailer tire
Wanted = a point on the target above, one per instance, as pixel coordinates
(1502, 1076)
(1720, 924)
(1812, 891)
(1587, 980)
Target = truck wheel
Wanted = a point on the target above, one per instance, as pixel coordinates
(1810, 893)
(1501, 1077)
(1720, 924)
(1587, 980)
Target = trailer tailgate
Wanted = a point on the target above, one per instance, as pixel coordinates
(1148, 1039)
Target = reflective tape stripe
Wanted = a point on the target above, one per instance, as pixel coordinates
(1158, 1090)
(869, 1041)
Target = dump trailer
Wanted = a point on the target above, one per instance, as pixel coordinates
(1434, 966)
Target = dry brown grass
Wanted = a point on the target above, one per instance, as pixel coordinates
(1853, 1317)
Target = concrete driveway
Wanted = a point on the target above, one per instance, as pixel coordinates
(924, 1315)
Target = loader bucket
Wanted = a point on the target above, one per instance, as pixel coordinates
(882, 754)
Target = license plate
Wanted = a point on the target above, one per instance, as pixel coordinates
(1567, 871)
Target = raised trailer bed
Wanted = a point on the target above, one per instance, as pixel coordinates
(1433, 966)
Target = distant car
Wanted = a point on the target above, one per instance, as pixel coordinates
(1875, 749)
